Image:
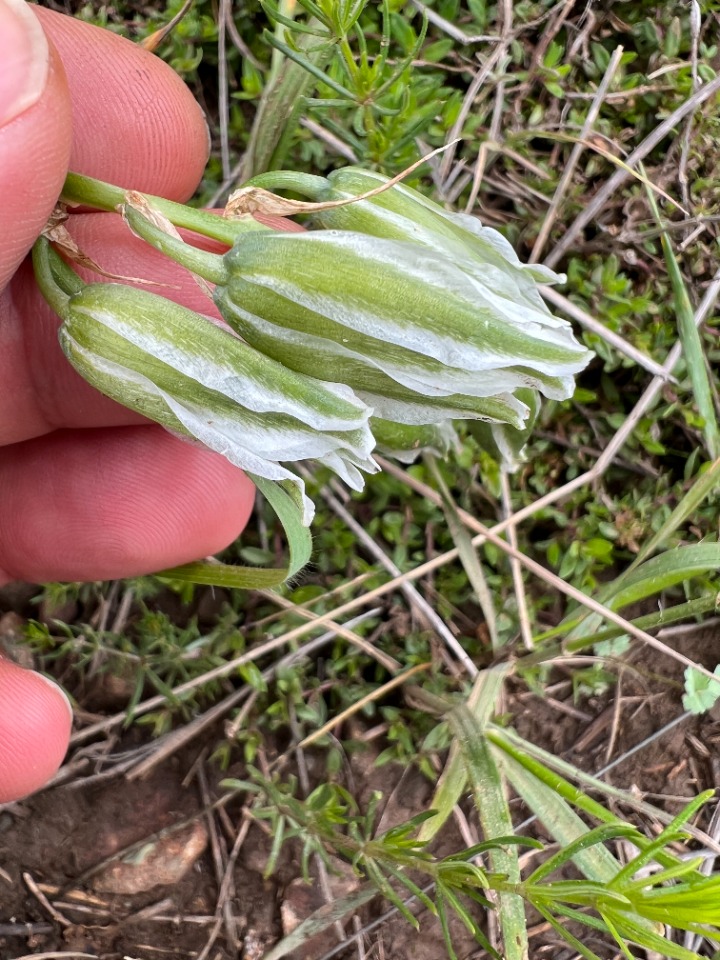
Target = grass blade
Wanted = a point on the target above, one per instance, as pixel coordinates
(667, 570)
(492, 807)
(559, 819)
(453, 779)
(690, 339)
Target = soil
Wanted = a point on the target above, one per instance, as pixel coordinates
(69, 884)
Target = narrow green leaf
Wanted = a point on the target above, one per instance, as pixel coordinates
(663, 618)
(453, 779)
(551, 771)
(290, 513)
(703, 486)
(565, 934)
(627, 927)
(664, 571)
(226, 575)
(494, 812)
(320, 920)
(650, 578)
(449, 790)
(560, 820)
(280, 107)
(669, 835)
(445, 927)
(286, 503)
(690, 339)
(589, 838)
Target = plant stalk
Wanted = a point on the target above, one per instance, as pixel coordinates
(86, 191)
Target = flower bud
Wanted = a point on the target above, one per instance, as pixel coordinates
(401, 213)
(416, 337)
(200, 381)
(422, 331)
(499, 287)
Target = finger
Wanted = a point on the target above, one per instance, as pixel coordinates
(135, 123)
(105, 504)
(35, 722)
(35, 131)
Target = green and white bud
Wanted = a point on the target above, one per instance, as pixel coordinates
(401, 213)
(200, 381)
(425, 317)
(503, 284)
(414, 335)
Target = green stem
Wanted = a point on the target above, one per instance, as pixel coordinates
(86, 191)
(210, 266)
(45, 267)
(306, 184)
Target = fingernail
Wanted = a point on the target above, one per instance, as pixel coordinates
(56, 687)
(24, 56)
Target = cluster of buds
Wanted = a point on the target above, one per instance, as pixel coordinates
(526, 350)
(378, 327)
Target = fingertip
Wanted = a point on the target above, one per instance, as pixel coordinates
(26, 60)
(35, 140)
(135, 123)
(35, 724)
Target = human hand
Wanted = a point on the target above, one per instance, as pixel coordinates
(88, 491)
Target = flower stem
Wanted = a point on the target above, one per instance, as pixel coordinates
(210, 266)
(45, 265)
(86, 191)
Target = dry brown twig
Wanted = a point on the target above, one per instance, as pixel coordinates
(567, 174)
(472, 92)
(224, 903)
(623, 174)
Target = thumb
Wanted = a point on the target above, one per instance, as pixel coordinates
(35, 721)
(35, 131)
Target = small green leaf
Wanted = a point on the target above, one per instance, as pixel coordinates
(690, 338)
(700, 691)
